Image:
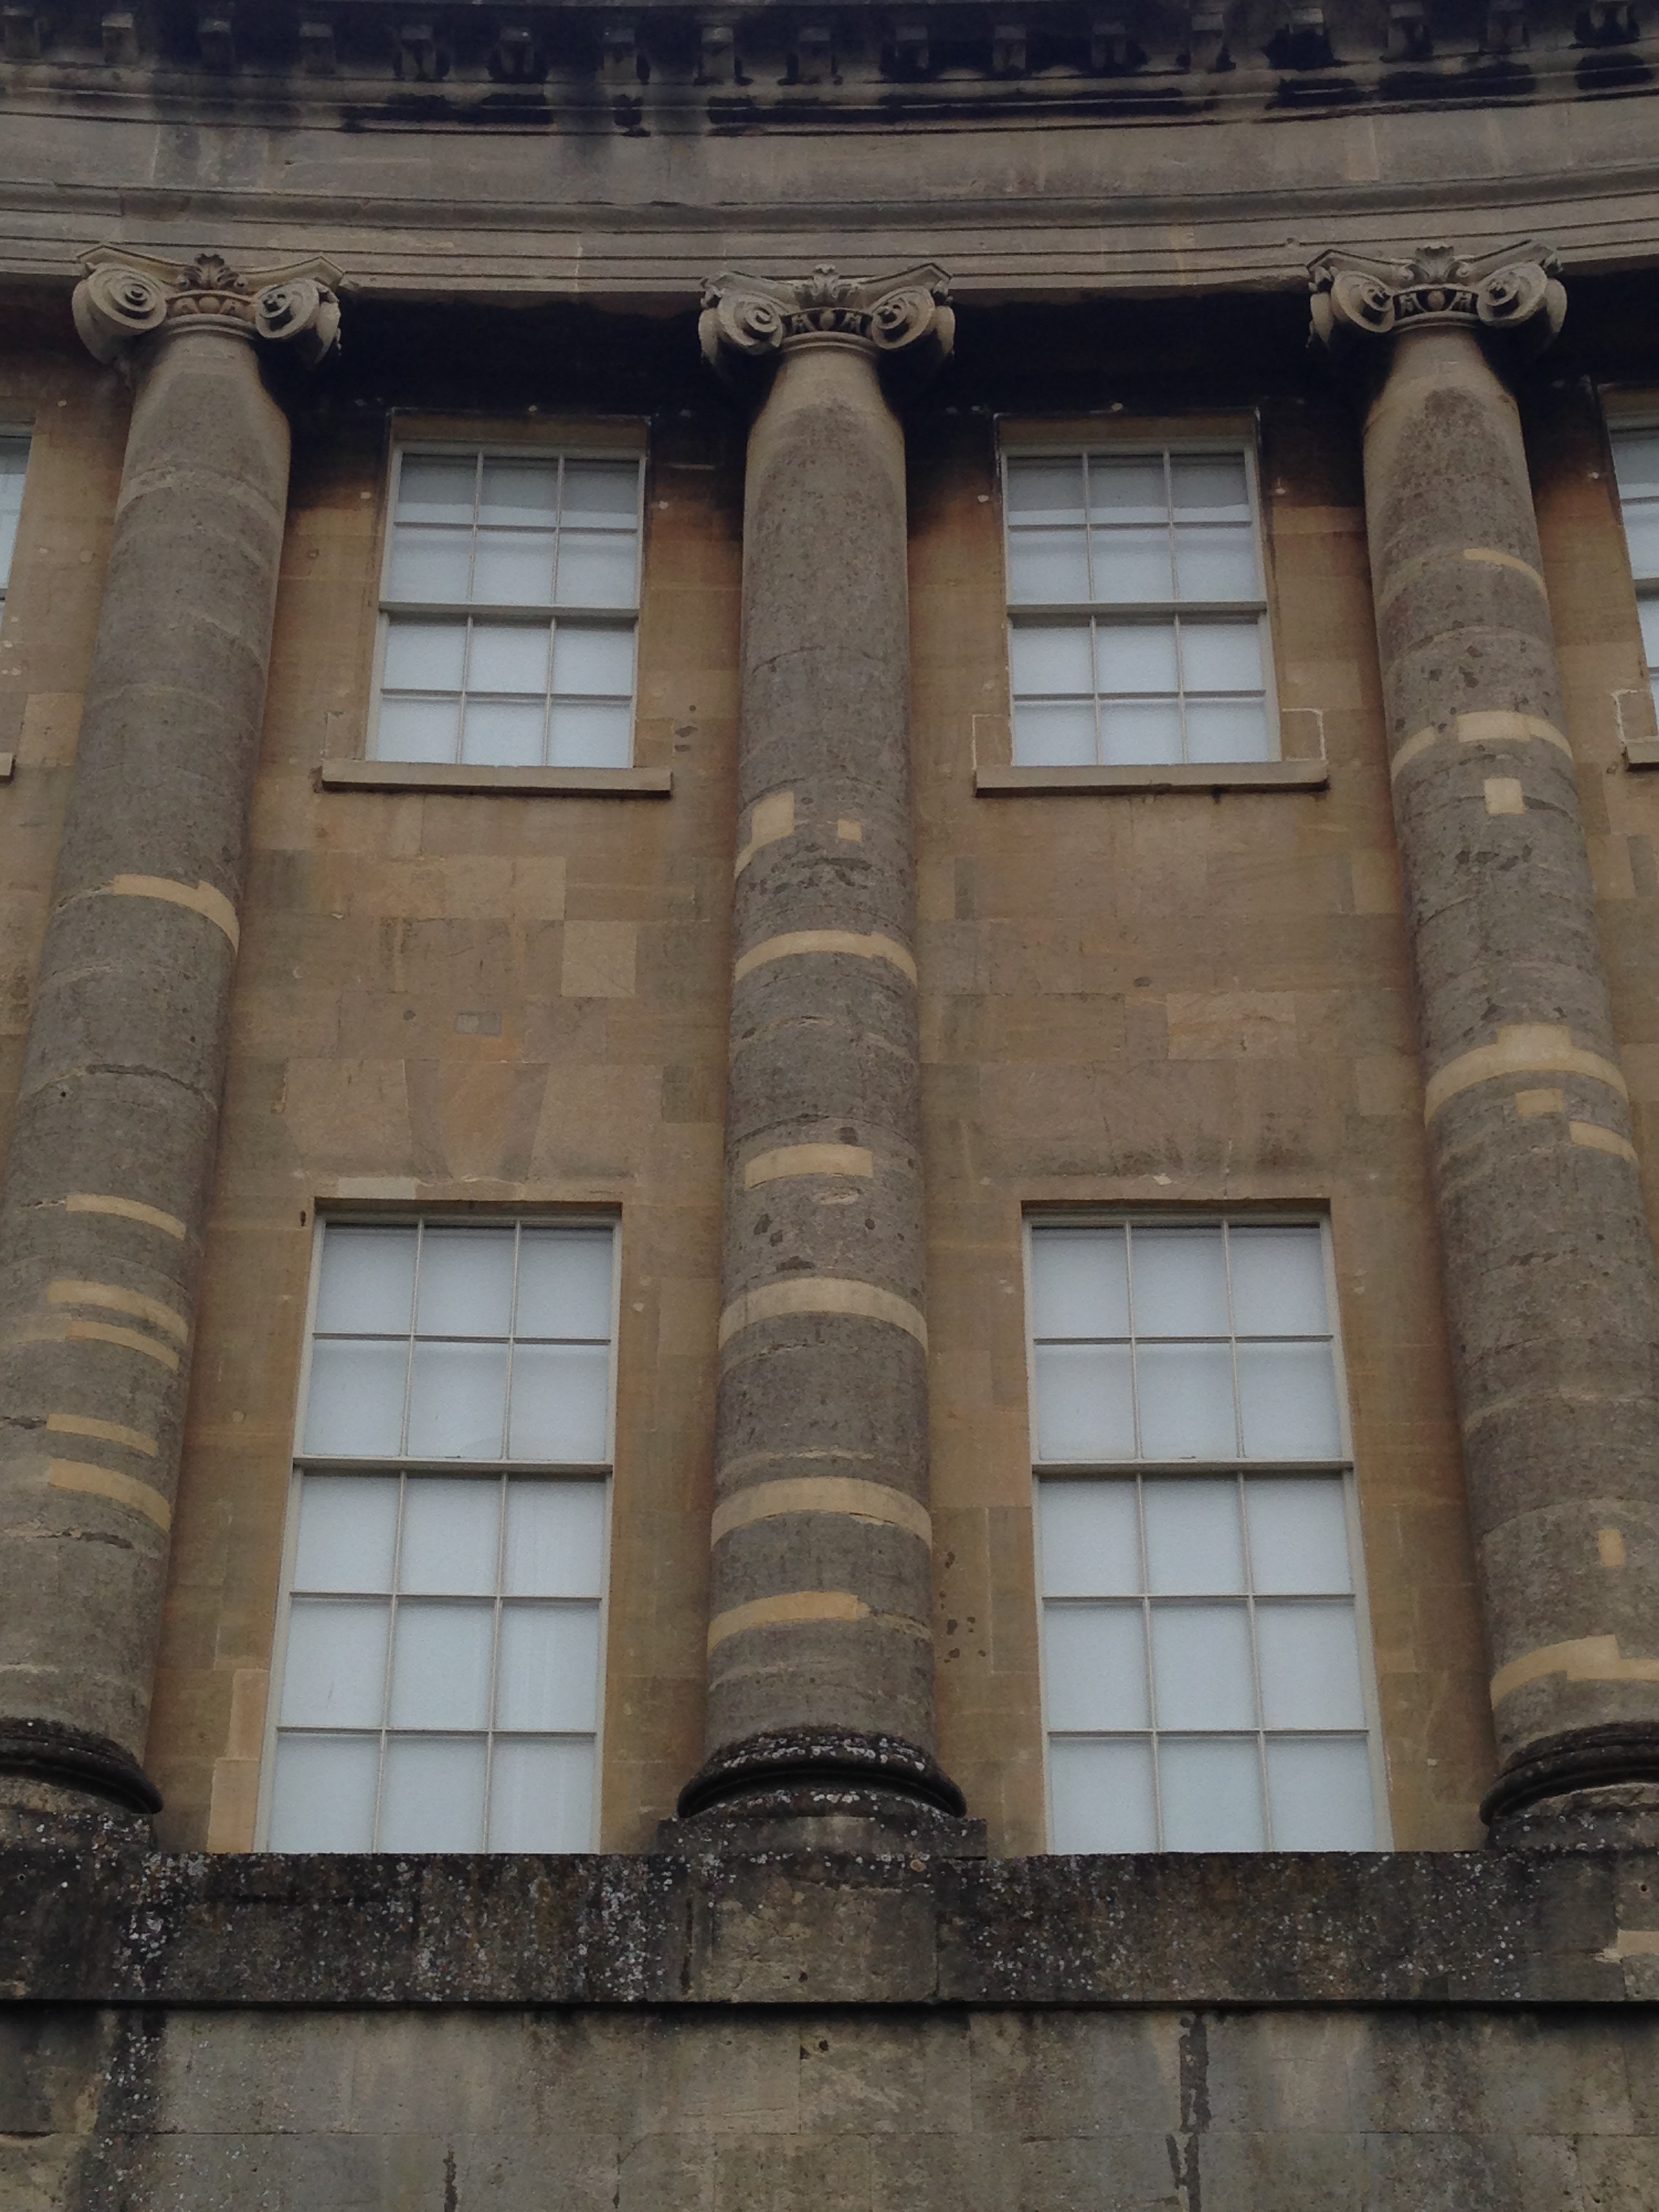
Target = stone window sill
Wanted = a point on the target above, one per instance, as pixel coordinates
(1182, 775)
(500, 782)
(7, 767)
(1642, 753)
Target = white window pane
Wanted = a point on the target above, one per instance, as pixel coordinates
(1186, 1401)
(601, 492)
(496, 735)
(596, 570)
(1048, 566)
(549, 1667)
(514, 568)
(591, 737)
(1212, 1796)
(1132, 566)
(367, 1282)
(1130, 489)
(1050, 657)
(348, 1531)
(1310, 1657)
(561, 1398)
(432, 1798)
(521, 492)
(334, 1675)
(1287, 1401)
(555, 1540)
(564, 1283)
(1136, 657)
(417, 730)
(441, 1665)
(1094, 1666)
(1220, 656)
(1641, 537)
(466, 1283)
(507, 657)
(1214, 562)
(436, 488)
(1278, 1282)
(9, 522)
(1201, 1673)
(1180, 1283)
(451, 1531)
(457, 1395)
(13, 465)
(1054, 736)
(1636, 461)
(1193, 1541)
(1299, 1529)
(424, 656)
(1085, 1407)
(430, 564)
(1079, 1283)
(1648, 611)
(1321, 1796)
(1227, 730)
(1137, 735)
(594, 658)
(1102, 1797)
(322, 1796)
(1090, 1533)
(1046, 491)
(1211, 486)
(541, 1796)
(355, 1399)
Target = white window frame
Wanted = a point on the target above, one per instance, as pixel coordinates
(1056, 1470)
(529, 614)
(303, 1463)
(16, 434)
(1643, 425)
(1115, 612)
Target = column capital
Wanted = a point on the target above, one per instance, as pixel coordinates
(1514, 290)
(753, 318)
(124, 297)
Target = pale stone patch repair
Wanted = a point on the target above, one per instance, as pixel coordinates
(1504, 795)
(126, 1209)
(1530, 1104)
(850, 833)
(1485, 557)
(113, 1299)
(107, 1432)
(822, 1294)
(1488, 725)
(93, 1481)
(1610, 1548)
(99, 1331)
(771, 819)
(796, 943)
(799, 1609)
(1583, 1659)
(785, 1161)
(1520, 1049)
(1595, 1138)
(200, 898)
(823, 1493)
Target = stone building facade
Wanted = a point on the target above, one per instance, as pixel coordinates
(827, 1296)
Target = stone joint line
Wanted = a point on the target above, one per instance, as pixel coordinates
(822, 1294)
(1583, 1659)
(797, 942)
(1523, 1048)
(823, 1493)
(807, 1609)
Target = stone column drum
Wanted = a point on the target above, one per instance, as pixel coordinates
(820, 1643)
(1547, 1260)
(111, 1162)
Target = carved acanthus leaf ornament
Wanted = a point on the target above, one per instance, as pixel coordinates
(124, 297)
(751, 318)
(1514, 290)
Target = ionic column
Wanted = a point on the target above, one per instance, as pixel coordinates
(1549, 1265)
(111, 1162)
(820, 1642)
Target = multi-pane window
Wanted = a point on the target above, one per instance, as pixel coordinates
(1636, 461)
(1203, 1669)
(1137, 618)
(439, 1683)
(510, 610)
(14, 462)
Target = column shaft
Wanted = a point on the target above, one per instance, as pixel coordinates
(111, 1163)
(1548, 1263)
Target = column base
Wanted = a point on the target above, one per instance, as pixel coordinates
(1593, 1789)
(823, 1790)
(60, 1785)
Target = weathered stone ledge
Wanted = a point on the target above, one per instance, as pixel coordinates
(102, 1926)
